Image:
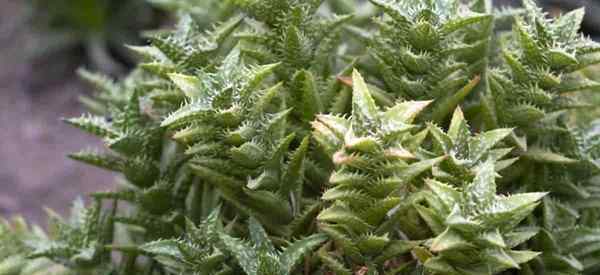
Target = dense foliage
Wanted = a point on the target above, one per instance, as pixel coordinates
(402, 137)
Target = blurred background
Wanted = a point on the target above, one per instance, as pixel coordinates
(42, 43)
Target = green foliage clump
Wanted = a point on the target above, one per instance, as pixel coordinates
(429, 50)
(476, 228)
(253, 147)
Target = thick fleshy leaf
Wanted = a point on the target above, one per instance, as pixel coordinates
(404, 112)
(245, 255)
(482, 143)
(446, 193)
(365, 114)
(259, 236)
(501, 258)
(295, 252)
(191, 86)
(417, 168)
(482, 191)
(449, 240)
(546, 156)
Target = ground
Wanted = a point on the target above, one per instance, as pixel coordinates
(34, 95)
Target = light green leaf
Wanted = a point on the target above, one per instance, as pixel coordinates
(365, 113)
(191, 86)
(449, 240)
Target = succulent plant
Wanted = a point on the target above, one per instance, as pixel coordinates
(247, 147)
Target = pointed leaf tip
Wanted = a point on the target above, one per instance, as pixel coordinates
(365, 111)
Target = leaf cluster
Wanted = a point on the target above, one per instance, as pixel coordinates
(433, 142)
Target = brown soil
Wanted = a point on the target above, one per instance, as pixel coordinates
(34, 171)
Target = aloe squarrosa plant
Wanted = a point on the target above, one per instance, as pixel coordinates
(297, 137)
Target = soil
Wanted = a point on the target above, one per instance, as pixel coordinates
(34, 95)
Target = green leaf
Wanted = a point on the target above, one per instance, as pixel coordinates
(494, 238)
(307, 101)
(412, 171)
(545, 156)
(394, 249)
(481, 144)
(105, 161)
(482, 191)
(333, 264)
(460, 23)
(329, 132)
(259, 236)
(448, 195)
(94, 125)
(445, 106)
(365, 113)
(568, 24)
(404, 112)
(440, 266)
(295, 252)
(342, 215)
(520, 235)
(521, 256)
(449, 240)
(191, 86)
(501, 258)
(372, 244)
(292, 178)
(459, 129)
(100, 82)
(163, 248)
(245, 255)
(433, 220)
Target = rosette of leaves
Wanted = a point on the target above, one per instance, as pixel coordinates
(541, 63)
(234, 127)
(420, 47)
(152, 176)
(196, 252)
(190, 46)
(476, 230)
(541, 82)
(157, 181)
(187, 48)
(14, 235)
(292, 33)
(209, 249)
(259, 256)
(376, 171)
(466, 151)
(79, 242)
(532, 95)
(569, 220)
(568, 240)
(574, 166)
(156, 185)
(196, 127)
